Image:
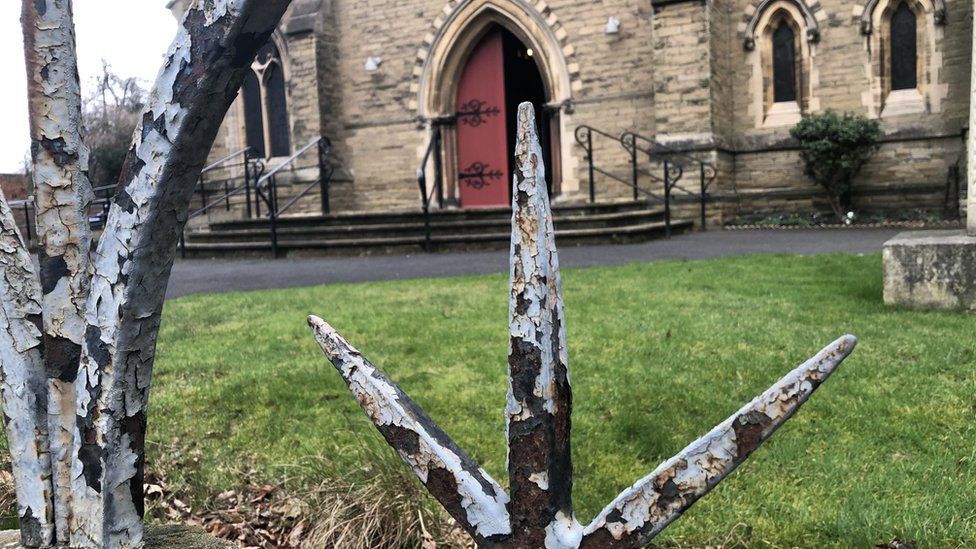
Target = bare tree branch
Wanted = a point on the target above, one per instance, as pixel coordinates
(465, 490)
(200, 78)
(23, 385)
(646, 508)
(62, 198)
(540, 469)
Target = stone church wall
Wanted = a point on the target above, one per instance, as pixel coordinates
(679, 72)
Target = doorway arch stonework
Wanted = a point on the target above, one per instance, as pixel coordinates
(454, 34)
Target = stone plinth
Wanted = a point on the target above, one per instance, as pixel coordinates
(931, 270)
(157, 537)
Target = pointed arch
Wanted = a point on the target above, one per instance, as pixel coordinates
(756, 15)
(938, 10)
(444, 52)
(265, 98)
(891, 57)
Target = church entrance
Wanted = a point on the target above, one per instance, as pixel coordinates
(499, 74)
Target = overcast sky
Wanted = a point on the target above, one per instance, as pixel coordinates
(132, 35)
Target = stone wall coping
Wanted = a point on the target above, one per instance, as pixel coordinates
(932, 238)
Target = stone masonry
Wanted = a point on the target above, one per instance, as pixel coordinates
(936, 270)
(682, 72)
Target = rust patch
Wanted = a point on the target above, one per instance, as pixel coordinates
(668, 494)
(135, 428)
(749, 428)
(57, 148)
(441, 484)
(402, 439)
(62, 357)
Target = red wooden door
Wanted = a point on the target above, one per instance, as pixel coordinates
(482, 133)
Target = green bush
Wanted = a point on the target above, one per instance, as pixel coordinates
(834, 148)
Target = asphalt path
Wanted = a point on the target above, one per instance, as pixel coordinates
(232, 275)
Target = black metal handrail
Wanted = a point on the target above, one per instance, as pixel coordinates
(434, 150)
(669, 178)
(27, 206)
(252, 167)
(326, 171)
(707, 172)
(266, 187)
(246, 151)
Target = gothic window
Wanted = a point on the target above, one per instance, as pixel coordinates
(266, 106)
(903, 48)
(784, 63)
(253, 113)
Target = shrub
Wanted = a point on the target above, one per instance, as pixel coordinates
(834, 147)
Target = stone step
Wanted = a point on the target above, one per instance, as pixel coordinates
(438, 227)
(364, 246)
(416, 216)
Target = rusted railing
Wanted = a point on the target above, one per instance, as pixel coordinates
(538, 511)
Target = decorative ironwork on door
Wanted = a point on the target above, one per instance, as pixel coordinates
(482, 127)
(480, 175)
(476, 112)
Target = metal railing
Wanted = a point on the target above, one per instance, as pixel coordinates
(657, 151)
(25, 208)
(239, 172)
(670, 173)
(434, 151)
(97, 216)
(266, 187)
(663, 166)
(260, 188)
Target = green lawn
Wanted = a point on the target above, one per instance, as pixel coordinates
(658, 354)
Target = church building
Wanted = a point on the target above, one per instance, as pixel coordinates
(399, 85)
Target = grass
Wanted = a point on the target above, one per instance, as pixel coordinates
(659, 354)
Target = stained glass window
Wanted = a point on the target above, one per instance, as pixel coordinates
(784, 63)
(253, 113)
(904, 49)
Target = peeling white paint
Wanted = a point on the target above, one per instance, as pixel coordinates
(22, 382)
(135, 254)
(700, 466)
(641, 511)
(564, 533)
(485, 512)
(62, 197)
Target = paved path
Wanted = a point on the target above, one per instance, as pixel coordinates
(218, 275)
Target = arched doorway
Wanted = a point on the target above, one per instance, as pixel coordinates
(499, 73)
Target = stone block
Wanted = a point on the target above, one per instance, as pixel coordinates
(931, 270)
(157, 537)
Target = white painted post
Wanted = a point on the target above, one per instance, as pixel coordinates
(971, 152)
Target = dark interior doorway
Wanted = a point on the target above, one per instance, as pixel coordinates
(523, 82)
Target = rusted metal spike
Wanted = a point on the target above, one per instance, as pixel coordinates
(23, 385)
(468, 493)
(646, 508)
(539, 405)
(539, 398)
